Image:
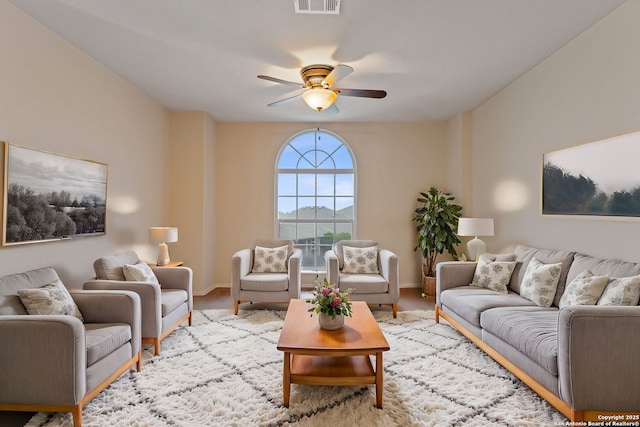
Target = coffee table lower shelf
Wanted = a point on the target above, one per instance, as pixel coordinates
(331, 370)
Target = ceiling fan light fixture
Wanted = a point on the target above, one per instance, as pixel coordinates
(319, 99)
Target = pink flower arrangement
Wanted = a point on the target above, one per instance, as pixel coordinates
(329, 300)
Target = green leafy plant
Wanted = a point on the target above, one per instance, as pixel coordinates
(437, 218)
(329, 300)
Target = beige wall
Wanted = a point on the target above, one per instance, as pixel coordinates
(587, 90)
(219, 176)
(459, 160)
(191, 173)
(395, 161)
(460, 168)
(57, 99)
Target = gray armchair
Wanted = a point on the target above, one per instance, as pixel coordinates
(164, 306)
(58, 363)
(249, 285)
(381, 287)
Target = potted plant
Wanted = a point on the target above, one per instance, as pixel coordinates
(331, 305)
(437, 219)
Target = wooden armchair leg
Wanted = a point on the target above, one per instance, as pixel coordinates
(395, 310)
(235, 307)
(156, 346)
(191, 318)
(76, 413)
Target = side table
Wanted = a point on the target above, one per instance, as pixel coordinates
(171, 264)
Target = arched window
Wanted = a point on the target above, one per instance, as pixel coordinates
(315, 193)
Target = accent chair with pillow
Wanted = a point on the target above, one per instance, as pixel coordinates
(60, 348)
(165, 292)
(269, 272)
(372, 273)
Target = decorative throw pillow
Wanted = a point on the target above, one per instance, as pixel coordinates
(52, 298)
(493, 274)
(621, 291)
(360, 260)
(540, 282)
(270, 260)
(585, 289)
(139, 272)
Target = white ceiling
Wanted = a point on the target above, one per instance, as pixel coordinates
(434, 57)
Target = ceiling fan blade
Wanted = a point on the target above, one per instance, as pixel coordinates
(286, 100)
(277, 80)
(338, 73)
(363, 93)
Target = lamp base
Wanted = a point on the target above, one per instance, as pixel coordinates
(476, 247)
(163, 255)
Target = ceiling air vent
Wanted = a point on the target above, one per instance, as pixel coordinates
(325, 7)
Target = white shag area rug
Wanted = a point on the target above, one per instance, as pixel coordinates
(225, 370)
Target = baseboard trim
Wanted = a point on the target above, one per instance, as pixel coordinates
(207, 290)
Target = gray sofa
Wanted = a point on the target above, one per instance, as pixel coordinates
(582, 359)
(57, 362)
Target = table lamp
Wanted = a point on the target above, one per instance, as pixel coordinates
(162, 236)
(475, 227)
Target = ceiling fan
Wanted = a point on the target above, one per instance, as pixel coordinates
(318, 90)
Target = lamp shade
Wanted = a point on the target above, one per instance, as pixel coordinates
(475, 227)
(163, 234)
(319, 98)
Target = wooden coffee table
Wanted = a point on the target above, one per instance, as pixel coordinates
(315, 356)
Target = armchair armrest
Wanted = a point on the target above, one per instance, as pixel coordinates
(295, 273)
(451, 274)
(598, 353)
(389, 270)
(176, 278)
(331, 261)
(43, 360)
(150, 301)
(112, 307)
(241, 265)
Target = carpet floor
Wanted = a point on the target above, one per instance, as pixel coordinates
(225, 370)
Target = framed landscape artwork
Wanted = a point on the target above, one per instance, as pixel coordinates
(51, 196)
(598, 178)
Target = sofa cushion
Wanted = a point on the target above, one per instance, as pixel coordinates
(360, 260)
(364, 283)
(621, 291)
(585, 289)
(540, 282)
(50, 299)
(265, 282)
(103, 338)
(110, 267)
(9, 300)
(470, 301)
(493, 275)
(525, 254)
(139, 272)
(602, 267)
(531, 330)
(270, 260)
(500, 257)
(170, 299)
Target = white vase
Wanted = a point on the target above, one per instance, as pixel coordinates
(330, 324)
